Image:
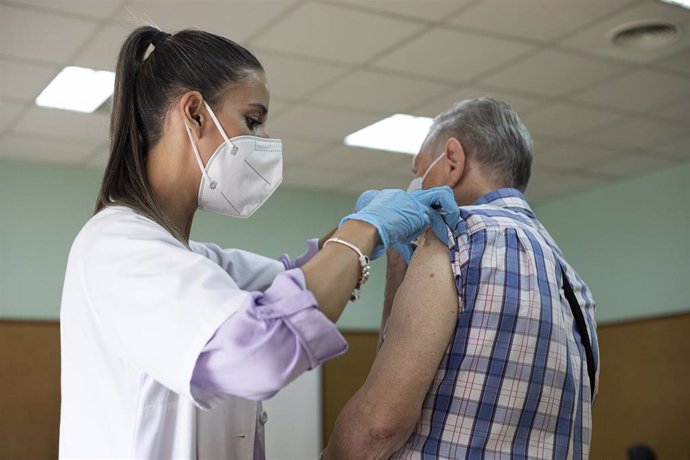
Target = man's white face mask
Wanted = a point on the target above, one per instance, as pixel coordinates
(241, 174)
(417, 182)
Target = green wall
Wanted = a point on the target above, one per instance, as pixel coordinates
(42, 209)
(628, 239)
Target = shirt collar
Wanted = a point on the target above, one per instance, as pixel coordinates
(506, 198)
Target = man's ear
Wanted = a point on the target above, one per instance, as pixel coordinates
(456, 160)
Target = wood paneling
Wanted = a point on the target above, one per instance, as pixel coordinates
(644, 394)
(343, 375)
(29, 390)
(644, 389)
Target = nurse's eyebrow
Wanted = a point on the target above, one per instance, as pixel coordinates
(261, 107)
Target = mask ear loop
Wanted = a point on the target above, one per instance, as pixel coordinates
(433, 163)
(211, 183)
(220, 128)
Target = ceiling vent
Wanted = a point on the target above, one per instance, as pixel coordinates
(647, 35)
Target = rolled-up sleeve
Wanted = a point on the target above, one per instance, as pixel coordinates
(268, 342)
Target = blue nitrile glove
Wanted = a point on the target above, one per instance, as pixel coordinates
(365, 198)
(397, 216)
(442, 200)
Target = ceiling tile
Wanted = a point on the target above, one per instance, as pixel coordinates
(97, 162)
(573, 156)
(678, 110)
(597, 38)
(98, 158)
(63, 124)
(679, 62)
(678, 149)
(312, 178)
(547, 186)
(562, 121)
(634, 133)
(42, 36)
(638, 91)
(44, 151)
(379, 93)
(300, 151)
(553, 73)
(377, 182)
(237, 20)
(277, 106)
(24, 81)
(334, 33)
(100, 9)
(635, 165)
(403, 168)
(414, 9)
(517, 18)
(314, 123)
(8, 113)
(451, 55)
(358, 160)
(101, 51)
(295, 78)
(443, 103)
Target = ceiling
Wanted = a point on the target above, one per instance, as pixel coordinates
(598, 113)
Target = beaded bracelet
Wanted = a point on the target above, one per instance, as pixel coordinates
(363, 262)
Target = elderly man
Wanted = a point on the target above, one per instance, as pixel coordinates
(513, 373)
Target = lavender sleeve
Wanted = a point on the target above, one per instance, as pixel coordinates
(298, 262)
(268, 342)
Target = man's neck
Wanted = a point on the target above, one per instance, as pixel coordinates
(465, 196)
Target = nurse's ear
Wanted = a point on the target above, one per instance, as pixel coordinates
(191, 106)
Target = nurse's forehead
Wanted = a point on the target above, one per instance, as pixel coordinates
(251, 88)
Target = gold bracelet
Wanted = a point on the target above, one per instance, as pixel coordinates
(363, 262)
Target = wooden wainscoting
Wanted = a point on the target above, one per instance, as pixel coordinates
(29, 390)
(644, 395)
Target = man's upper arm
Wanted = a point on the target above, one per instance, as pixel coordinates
(421, 325)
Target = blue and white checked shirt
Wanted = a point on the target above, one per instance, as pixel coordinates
(513, 382)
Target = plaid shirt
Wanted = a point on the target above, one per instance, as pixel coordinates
(513, 382)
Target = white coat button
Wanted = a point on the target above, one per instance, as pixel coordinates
(264, 418)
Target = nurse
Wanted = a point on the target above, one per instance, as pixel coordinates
(168, 345)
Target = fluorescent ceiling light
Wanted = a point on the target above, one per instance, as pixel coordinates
(79, 89)
(683, 3)
(397, 133)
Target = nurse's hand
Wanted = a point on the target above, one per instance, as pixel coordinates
(445, 204)
(400, 217)
(442, 200)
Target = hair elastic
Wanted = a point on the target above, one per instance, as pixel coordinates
(159, 38)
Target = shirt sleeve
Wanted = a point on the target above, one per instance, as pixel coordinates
(298, 262)
(268, 342)
(251, 272)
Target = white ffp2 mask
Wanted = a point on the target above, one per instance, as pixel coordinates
(241, 174)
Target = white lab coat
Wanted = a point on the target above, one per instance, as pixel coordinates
(137, 309)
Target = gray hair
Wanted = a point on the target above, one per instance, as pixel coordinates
(491, 132)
